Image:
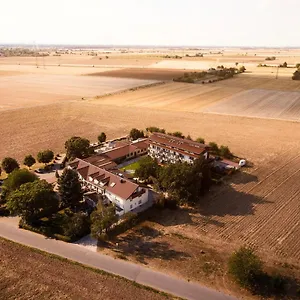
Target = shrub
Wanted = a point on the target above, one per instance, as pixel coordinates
(214, 147)
(225, 152)
(9, 164)
(245, 267)
(200, 140)
(29, 161)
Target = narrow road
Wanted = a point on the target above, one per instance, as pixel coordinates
(131, 271)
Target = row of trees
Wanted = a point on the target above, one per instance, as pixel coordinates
(9, 164)
(181, 182)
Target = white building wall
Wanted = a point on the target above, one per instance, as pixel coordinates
(129, 205)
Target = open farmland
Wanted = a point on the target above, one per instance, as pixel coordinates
(142, 73)
(260, 103)
(28, 274)
(34, 89)
(171, 96)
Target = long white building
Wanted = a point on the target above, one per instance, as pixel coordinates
(169, 149)
(125, 194)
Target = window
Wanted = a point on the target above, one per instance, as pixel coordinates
(130, 206)
(140, 201)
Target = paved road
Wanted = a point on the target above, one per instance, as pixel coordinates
(134, 272)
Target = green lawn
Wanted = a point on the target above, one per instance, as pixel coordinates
(133, 166)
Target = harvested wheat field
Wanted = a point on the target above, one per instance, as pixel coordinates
(33, 89)
(171, 96)
(142, 73)
(28, 274)
(260, 103)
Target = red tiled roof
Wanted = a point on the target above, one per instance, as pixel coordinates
(113, 183)
(171, 142)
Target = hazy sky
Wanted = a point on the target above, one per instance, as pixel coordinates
(151, 22)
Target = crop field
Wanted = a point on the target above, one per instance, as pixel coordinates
(260, 209)
(260, 103)
(171, 96)
(34, 89)
(28, 274)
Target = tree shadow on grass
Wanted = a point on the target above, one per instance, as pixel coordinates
(142, 246)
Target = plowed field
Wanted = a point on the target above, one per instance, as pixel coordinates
(171, 96)
(29, 90)
(260, 103)
(27, 274)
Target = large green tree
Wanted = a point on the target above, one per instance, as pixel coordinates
(181, 182)
(101, 137)
(29, 161)
(148, 168)
(16, 178)
(33, 200)
(102, 219)
(77, 147)
(45, 156)
(69, 188)
(9, 164)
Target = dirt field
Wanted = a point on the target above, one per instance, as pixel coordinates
(26, 274)
(33, 89)
(259, 207)
(260, 103)
(171, 96)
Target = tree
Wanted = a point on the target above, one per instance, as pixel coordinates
(155, 129)
(177, 134)
(148, 168)
(102, 137)
(242, 69)
(136, 134)
(69, 188)
(77, 225)
(214, 147)
(245, 266)
(45, 156)
(296, 75)
(16, 178)
(200, 140)
(298, 66)
(181, 182)
(225, 152)
(102, 219)
(33, 200)
(189, 138)
(29, 161)
(9, 164)
(77, 147)
(202, 172)
(284, 65)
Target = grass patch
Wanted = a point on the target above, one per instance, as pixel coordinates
(101, 272)
(132, 166)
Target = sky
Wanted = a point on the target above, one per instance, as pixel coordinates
(269, 23)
